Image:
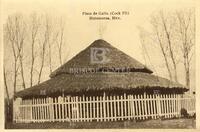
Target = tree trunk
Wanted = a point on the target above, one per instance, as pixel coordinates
(41, 69)
(15, 77)
(22, 72)
(165, 57)
(42, 57)
(188, 78)
(6, 86)
(32, 64)
(187, 72)
(50, 66)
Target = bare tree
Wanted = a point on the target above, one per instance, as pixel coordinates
(168, 33)
(51, 37)
(34, 32)
(49, 33)
(142, 36)
(44, 43)
(163, 35)
(174, 32)
(186, 30)
(60, 39)
(31, 40)
(10, 37)
(160, 40)
(20, 37)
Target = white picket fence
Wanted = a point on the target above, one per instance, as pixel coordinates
(101, 108)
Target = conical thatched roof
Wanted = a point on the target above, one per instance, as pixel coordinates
(117, 59)
(138, 77)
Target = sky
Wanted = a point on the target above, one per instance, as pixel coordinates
(81, 32)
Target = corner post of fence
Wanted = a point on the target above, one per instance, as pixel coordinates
(16, 110)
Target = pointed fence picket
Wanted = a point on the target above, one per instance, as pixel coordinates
(101, 108)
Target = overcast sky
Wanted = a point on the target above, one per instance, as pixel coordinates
(81, 31)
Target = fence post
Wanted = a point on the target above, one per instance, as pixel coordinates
(176, 107)
(108, 114)
(77, 109)
(42, 109)
(174, 110)
(94, 109)
(80, 106)
(142, 106)
(63, 102)
(84, 114)
(90, 102)
(115, 108)
(87, 105)
(129, 115)
(98, 108)
(104, 106)
(111, 104)
(53, 110)
(162, 105)
(145, 105)
(135, 99)
(35, 110)
(139, 107)
(118, 110)
(158, 105)
(154, 105)
(122, 112)
(73, 113)
(101, 113)
(179, 105)
(133, 107)
(125, 108)
(16, 111)
(60, 102)
(30, 107)
(148, 105)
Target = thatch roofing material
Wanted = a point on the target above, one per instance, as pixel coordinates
(63, 81)
(118, 59)
(70, 83)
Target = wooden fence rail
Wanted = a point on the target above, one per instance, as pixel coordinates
(101, 108)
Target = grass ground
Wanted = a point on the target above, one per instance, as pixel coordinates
(173, 123)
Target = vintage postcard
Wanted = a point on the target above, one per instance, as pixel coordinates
(98, 64)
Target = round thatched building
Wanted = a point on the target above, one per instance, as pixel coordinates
(101, 83)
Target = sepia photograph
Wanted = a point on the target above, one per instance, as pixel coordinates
(99, 64)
